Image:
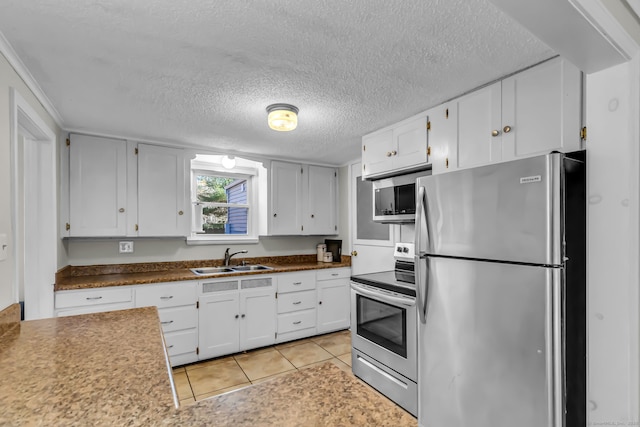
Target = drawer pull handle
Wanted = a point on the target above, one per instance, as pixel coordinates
(168, 322)
(298, 322)
(297, 302)
(334, 274)
(169, 297)
(170, 346)
(297, 283)
(93, 298)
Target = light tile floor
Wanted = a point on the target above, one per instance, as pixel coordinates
(216, 376)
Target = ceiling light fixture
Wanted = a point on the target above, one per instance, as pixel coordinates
(229, 162)
(282, 117)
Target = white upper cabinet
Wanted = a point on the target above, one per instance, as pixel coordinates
(530, 113)
(321, 213)
(162, 209)
(399, 147)
(443, 134)
(303, 200)
(541, 110)
(97, 186)
(478, 115)
(285, 201)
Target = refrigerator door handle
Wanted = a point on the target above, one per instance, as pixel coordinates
(420, 258)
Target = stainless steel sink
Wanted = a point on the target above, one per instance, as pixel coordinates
(250, 267)
(203, 271)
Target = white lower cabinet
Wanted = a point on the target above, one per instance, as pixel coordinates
(334, 309)
(296, 305)
(178, 312)
(96, 300)
(236, 315)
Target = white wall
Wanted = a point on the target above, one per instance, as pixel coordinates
(9, 78)
(612, 163)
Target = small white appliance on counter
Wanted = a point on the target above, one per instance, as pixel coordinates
(383, 330)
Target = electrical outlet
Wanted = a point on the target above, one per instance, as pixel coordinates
(125, 247)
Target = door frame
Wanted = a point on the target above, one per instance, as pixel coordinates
(27, 255)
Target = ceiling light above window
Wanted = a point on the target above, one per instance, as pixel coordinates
(282, 117)
(229, 162)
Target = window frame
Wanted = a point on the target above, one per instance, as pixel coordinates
(250, 175)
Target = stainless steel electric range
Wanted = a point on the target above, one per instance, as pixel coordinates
(383, 330)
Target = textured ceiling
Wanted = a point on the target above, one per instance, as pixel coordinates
(202, 72)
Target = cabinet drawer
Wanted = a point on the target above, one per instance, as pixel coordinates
(101, 308)
(91, 297)
(296, 301)
(177, 318)
(169, 295)
(303, 281)
(333, 273)
(181, 341)
(296, 320)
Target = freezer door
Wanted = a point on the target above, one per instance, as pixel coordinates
(489, 353)
(510, 211)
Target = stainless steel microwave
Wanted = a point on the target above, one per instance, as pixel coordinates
(394, 199)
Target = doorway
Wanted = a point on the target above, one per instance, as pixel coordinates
(34, 209)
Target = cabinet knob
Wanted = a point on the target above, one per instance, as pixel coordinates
(242, 316)
(237, 316)
(275, 215)
(388, 153)
(180, 213)
(495, 132)
(506, 129)
(312, 216)
(393, 153)
(320, 302)
(121, 210)
(354, 253)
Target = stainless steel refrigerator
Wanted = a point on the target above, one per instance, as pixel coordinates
(501, 295)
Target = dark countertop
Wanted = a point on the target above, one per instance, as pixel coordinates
(109, 369)
(98, 276)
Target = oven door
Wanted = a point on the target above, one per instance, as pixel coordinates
(383, 326)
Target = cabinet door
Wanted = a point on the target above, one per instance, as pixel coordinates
(286, 199)
(258, 318)
(541, 110)
(161, 192)
(443, 135)
(333, 305)
(218, 325)
(478, 117)
(321, 201)
(410, 144)
(376, 152)
(97, 186)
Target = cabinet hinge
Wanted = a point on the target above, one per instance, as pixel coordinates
(276, 295)
(197, 350)
(67, 226)
(428, 125)
(364, 148)
(136, 227)
(428, 150)
(446, 162)
(446, 113)
(335, 227)
(136, 151)
(301, 170)
(68, 142)
(335, 174)
(364, 167)
(275, 335)
(302, 228)
(583, 133)
(197, 304)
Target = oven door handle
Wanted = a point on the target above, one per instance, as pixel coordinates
(408, 302)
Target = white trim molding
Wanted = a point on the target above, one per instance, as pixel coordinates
(14, 60)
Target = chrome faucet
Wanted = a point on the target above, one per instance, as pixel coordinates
(227, 257)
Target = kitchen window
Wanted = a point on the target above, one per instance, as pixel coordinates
(224, 202)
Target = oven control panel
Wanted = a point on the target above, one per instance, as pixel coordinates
(404, 251)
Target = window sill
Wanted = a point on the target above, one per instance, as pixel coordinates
(220, 240)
